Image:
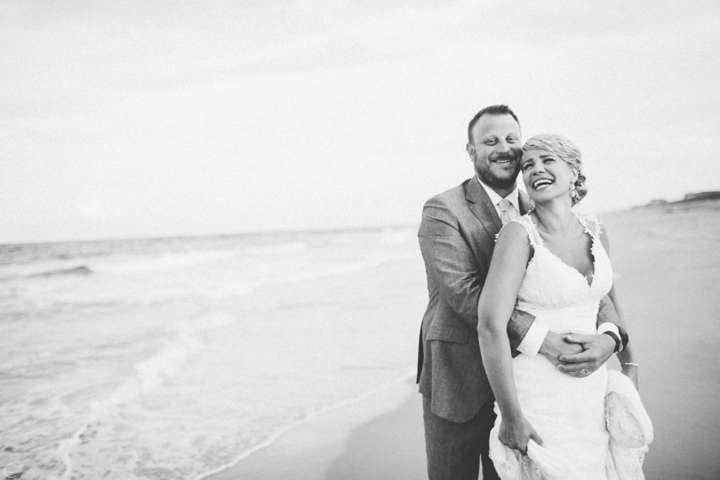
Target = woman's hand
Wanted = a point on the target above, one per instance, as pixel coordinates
(516, 432)
(631, 371)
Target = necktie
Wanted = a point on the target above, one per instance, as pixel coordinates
(506, 210)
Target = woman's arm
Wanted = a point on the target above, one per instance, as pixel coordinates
(626, 355)
(497, 301)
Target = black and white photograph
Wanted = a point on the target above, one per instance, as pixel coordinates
(359, 239)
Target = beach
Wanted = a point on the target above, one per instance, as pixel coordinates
(667, 271)
(276, 356)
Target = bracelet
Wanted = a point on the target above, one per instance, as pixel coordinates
(624, 338)
(631, 363)
(618, 343)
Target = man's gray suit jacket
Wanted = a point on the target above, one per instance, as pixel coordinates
(457, 236)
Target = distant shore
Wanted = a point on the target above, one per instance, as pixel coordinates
(712, 195)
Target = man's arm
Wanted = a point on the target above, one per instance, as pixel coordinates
(453, 266)
(528, 337)
(449, 261)
(518, 326)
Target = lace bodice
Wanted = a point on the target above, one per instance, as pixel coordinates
(552, 284)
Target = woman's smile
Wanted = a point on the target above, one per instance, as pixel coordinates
(542, 183)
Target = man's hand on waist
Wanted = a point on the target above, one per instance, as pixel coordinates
(596, 350)
(554, 346)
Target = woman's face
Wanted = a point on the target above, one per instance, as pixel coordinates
(546, 175)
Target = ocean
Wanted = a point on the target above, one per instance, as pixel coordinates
(175, 358)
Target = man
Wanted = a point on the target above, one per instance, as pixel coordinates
(457, 236)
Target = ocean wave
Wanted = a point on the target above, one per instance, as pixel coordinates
(149, 374)
(82, 270)
(163, 262)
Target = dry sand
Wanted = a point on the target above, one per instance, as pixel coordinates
(669, 287)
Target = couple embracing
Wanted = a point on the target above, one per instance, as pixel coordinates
(522, 317)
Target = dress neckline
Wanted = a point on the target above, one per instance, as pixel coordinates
(593, 237)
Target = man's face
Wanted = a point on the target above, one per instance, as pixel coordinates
(496, 150)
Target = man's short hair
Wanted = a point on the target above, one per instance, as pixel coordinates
(491, 110)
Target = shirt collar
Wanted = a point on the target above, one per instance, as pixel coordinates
(495, 198)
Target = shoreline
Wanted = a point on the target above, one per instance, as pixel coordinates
(342, 442)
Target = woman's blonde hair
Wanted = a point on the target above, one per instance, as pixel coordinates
(567, 152)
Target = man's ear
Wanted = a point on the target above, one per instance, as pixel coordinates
(470, 149)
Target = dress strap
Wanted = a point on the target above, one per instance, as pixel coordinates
(590, 223)
(529, 226)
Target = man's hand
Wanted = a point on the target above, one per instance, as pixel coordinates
(554, 346)
(596, 349)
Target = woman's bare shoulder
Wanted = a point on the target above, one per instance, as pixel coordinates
(514, 237)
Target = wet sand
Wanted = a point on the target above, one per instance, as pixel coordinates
(380, 437)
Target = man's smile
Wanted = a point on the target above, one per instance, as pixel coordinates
(504, 160)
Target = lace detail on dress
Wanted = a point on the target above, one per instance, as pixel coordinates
(536, 292)
(590, 223)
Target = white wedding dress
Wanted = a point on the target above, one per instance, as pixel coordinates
(567, 412)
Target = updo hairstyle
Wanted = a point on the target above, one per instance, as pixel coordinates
(565, 150)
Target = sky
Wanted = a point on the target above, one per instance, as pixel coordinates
(153, 118)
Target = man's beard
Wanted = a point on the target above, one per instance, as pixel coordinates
(493, 180)
(489, 178)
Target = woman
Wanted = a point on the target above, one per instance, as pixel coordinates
(553, 262)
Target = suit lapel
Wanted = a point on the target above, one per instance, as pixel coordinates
(482, 207)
